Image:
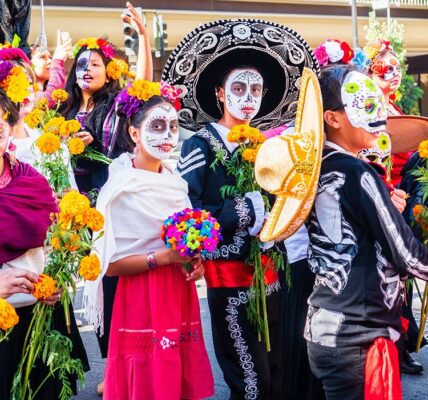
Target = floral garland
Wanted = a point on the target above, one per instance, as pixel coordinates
(14, 82)
(333, 51)
(133, 97)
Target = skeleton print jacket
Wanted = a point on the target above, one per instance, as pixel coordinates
(359, 247)
(235, 214)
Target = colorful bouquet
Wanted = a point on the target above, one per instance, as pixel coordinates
(56, 140)
(241, 165)
(69, 240)
(191, 232)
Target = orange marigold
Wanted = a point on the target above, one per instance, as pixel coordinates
(94, 219)
(45, 287)
(53, 125)
(250, 155)
(48, 143)
(90, 267)
(245, 133)
(423, 149)
(59, 95)
(73, 207)
(73, 126)
(417, 211)
(114, 69)
(76, 146)
(70, 241)
(34, 118)
(8, 316)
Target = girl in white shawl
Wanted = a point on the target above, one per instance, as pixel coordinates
(156, 348)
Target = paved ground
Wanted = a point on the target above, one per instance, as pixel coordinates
(414, 387)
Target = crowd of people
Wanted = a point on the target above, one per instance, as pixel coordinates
(335, 314)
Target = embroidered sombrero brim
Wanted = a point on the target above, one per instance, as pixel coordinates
(406, 132)
(289, 166)
(203, 57)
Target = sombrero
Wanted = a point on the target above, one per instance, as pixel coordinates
(288, 166)
(406, 132)
(201, 59)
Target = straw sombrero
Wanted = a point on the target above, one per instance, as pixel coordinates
(406, 132)
(202, 58)
(288, 166)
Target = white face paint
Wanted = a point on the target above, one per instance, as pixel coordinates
(364, 102)
(82, 69)
(243, 93)
(159, 132)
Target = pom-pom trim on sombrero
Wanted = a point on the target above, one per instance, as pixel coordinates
(201, 58)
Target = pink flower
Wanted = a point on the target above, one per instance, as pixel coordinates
(108, 51)
(321, 55)
(210, 244)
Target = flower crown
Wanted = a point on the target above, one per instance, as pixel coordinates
(14, 82)
(333, 51)
(94, 43)
(133, 97)
(372, 50)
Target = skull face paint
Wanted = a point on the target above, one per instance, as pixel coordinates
(364, 103)
(159, 132)
(82, 67)
(393, 69)
(381, 154)
(243, 93)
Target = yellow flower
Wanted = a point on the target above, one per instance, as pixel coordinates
(423, 149)
(35, 87)
(73, 207)
(8, 316)
(144, 90)
(53, 125)
(94, 219)
(90, 267)
(92, 43)
(16, 85)
(59, 95)
(34, 118)
(73, 126)
(417, 211)
(43, 104)
(250, 155)
(45, 287)
(114, 69)
(76, 146)
(245, 133)
(48, 143)
(70, 241)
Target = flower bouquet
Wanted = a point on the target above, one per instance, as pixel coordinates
(241, 165)
(69, 242)
(191, 232)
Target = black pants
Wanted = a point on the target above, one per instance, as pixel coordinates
(250, 372)
(341, 370)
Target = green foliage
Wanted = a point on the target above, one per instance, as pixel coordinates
(409, 89)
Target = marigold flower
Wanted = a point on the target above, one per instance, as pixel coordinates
(114, 69)
(417, 211)
(73, 208)
(48, 143)
(54, 125)
(423, 149)
(94, 219)
(70, 241)
(90, 267)
(43, 104)
(245, 133)
(45, 287)
(8, 316)
(76, 146)
(144, 90)
(34, 118)
(73, 126)
(250, 155)
(16, 85)
(59, 95)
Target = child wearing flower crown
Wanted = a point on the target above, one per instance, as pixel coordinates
(359, 248)
(156, 348)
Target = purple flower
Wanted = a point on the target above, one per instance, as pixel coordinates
(129, 105)
(5, 67)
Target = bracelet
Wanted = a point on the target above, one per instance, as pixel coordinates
(151, 261)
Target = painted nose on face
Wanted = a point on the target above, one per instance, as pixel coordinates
(249, 97)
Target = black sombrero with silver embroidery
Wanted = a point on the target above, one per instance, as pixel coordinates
(201, 59)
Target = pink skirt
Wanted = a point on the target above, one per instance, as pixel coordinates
(157, 349)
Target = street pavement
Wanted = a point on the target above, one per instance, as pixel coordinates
(414, 387)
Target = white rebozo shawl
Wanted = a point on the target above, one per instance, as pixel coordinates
(134, 203)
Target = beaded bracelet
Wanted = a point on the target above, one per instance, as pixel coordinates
(151, 261)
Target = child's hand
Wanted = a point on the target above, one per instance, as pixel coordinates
(398, 198)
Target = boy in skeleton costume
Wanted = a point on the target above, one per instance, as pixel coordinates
(225, 68)
(359, 247)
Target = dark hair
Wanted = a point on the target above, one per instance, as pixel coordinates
(222, 81)
(10, 108)
(331, 80)
(137, 118)
(74, 91)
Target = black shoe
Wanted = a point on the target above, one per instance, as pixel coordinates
(409, 365)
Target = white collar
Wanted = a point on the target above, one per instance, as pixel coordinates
(223, 131)
(338, 148)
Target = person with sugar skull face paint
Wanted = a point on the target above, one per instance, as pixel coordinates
(156, 329)
(359, 248)
(245, 82)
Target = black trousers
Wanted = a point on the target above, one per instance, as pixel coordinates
(341, 370)
(250, 372)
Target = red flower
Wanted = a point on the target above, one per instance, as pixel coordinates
(378, 68)
(101, 42)
(348, 53)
